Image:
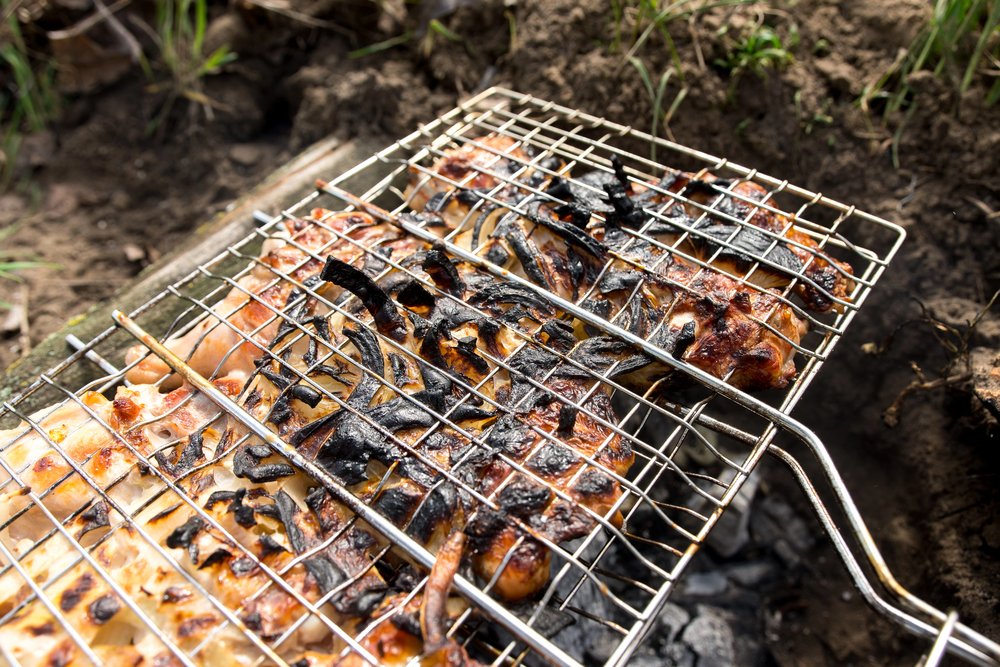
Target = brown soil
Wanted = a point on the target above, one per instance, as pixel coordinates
(103, 188)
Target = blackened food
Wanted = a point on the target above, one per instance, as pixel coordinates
(103, 609)
(96, 516)
(191, 453)
(246, 463)
(183, 537)
(375, 300)
(437, 509)
(443, 272)
(553, 459)
(287, 514)
(324, 572)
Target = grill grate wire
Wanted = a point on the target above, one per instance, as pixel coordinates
(691, 456)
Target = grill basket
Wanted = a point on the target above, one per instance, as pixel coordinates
(694, 446)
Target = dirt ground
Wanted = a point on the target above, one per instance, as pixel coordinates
(106, 198)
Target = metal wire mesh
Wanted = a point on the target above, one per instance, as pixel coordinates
(113, 544)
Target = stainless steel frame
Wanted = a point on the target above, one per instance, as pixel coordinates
(670, 502)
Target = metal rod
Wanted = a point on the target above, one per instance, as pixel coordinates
(980, 651)
(940, 646)
(103, 363)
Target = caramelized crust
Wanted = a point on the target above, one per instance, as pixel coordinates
(367, 408)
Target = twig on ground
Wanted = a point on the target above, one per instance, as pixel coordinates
(891, 414)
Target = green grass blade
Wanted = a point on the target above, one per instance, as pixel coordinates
(994, 94)
(443, 30)
(992, 25)
(378, 47)
(200, 25)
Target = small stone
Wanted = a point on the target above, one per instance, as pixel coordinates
(777, 522)
(133, 252)
(711, 638)
(678, 655)
(245, 155)
(750, 574)
(120, 200)
(599, 646)
(787, 554)
(61, 200)
(671, 621)
(11, 318)
(226, 30)
(645, 658)
(732, 532)
(705, 584)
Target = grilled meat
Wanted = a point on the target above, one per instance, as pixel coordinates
(734, 331)
(231, 339)
(375, 427)
(789, 251)
(539, 441)
(392, 637)
(462, 183)
(315, 546)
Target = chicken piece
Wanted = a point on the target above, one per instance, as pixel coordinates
(394, 636)
(216, 349)
(734, 331)
(461, 177)
(259, 505)
(373, 388)
(830, 278)
(615, 196)
(827, 278)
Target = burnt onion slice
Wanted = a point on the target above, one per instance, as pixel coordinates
(376, 301)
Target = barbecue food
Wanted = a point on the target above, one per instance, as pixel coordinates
(381, 436)
(732, 246)
(231, 339)
(536, 440)
(461, 183)
(266, 514)
(459, 192)
(741, 333)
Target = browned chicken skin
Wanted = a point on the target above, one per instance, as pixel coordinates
(444, 343)
(828, 278)
(548, 460)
